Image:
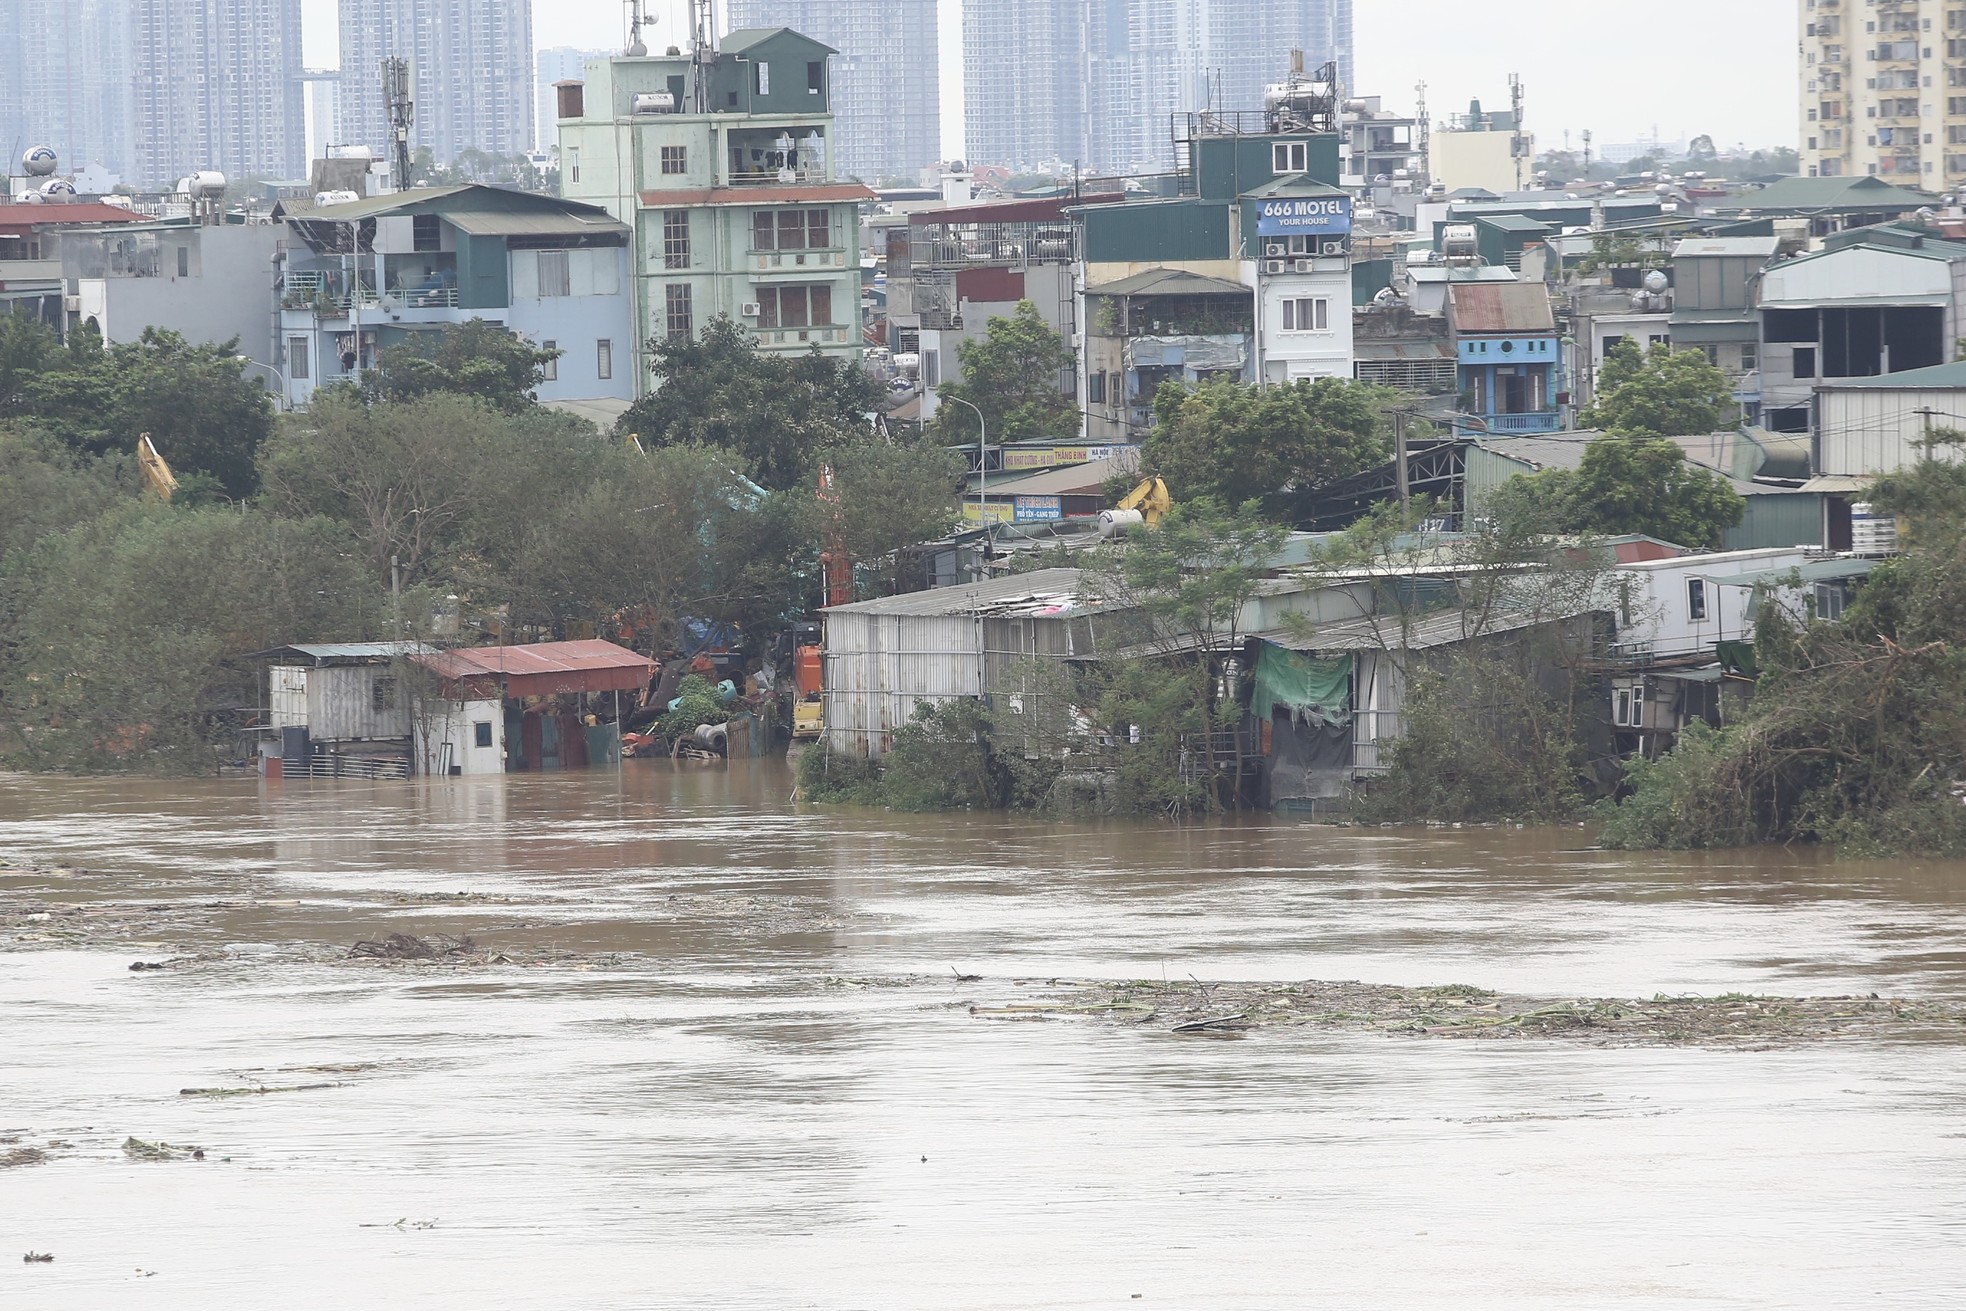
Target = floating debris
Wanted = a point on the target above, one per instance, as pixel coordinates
(1463, 1012)
(38, 1258)
(139, 1150)
(401, 946)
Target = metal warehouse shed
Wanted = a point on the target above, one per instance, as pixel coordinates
(881, 658)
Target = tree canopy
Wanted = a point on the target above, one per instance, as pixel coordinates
(772, 409)
(1014, 376)
(1235, 443)
(478, 358)
(1661, 392)
(205, 414)
(1626, 485)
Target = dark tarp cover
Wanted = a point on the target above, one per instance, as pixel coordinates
(1320, 690)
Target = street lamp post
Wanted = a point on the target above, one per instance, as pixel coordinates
(286, 401)
(982, 462)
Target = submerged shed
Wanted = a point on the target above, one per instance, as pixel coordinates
(540, 707)
(882, 658)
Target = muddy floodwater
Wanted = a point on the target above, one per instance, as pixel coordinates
(706, 1048)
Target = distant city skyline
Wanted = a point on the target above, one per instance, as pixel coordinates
(1744, 91)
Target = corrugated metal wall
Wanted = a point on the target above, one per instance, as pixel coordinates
(341, 704)
(877, 667)
(286, 691)
(1777, 519)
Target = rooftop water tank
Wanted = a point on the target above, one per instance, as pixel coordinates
(39, 161)
(652, 102)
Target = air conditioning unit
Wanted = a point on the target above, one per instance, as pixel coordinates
(1300, 266)
(1275, 248)
(751, 310)
(1332, 248)
(1273, 265)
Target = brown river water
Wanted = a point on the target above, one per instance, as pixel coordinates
(703, 1078)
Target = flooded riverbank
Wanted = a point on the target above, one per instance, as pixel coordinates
(712, 1051)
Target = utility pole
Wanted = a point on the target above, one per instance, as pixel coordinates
(1928, 441)
(1399, 458)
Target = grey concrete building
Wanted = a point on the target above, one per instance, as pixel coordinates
(65, 81)
(472, 61)
(1097, 81)
(216, 84)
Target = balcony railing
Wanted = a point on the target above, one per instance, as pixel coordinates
(1540, 421)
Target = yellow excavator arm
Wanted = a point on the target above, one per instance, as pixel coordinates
(1151, 499)
(156, 473)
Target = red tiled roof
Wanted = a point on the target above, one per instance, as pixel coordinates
(543, 668)
(816, 193)
(1009, 211)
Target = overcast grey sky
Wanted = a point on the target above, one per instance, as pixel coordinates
(1724, 67)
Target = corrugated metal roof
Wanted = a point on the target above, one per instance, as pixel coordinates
(815, 193)
(1746, 247)
(1500, 307)
(1081, 479)
(544, 668)
(1816, 571)
(492, 224)
(20, 218)
(741, 40)
(1386, 632)
(1853, 195)
(1009, 211)
(1837, 484)
(367, 206)
(324, 653)
(1566, 451)
(1939, 377)
(1038, 592)
(1169, 282)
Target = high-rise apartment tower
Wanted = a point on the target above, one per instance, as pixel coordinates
(472, 64)
(1884, 90)
(216, 84)
(65, 80)
(1097, 81)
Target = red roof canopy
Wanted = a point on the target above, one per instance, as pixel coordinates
(18, 219)
(542, 669)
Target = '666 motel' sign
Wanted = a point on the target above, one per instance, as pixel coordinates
(1322, 215)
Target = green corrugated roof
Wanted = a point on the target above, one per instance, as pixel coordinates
(1849, 195)
(736, 43)
(1939, 377)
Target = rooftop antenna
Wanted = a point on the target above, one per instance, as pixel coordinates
(399, 93)
(703, 48)
(1519, 143)
(1587, 154)
(1425, 129)
(636, 48)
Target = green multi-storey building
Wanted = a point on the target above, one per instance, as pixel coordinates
(721, 163)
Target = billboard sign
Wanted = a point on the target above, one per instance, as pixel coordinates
(1305, 216)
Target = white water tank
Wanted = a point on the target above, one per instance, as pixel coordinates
(351, 152)
(1117, 523)
(206, 184)
(335, 197)
(39, 161)
(1872, 532)
(652, 102)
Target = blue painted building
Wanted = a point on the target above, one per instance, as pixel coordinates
(357, 277)
(1508, 364)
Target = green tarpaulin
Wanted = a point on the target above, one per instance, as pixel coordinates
(1319, 689)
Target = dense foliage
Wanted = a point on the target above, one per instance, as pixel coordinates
(1626, 484)
(125, 621)
(1661, 391)
(202, 410)
(1017, 376)
(772, 411)
(1233, 443)
(1857, 731)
